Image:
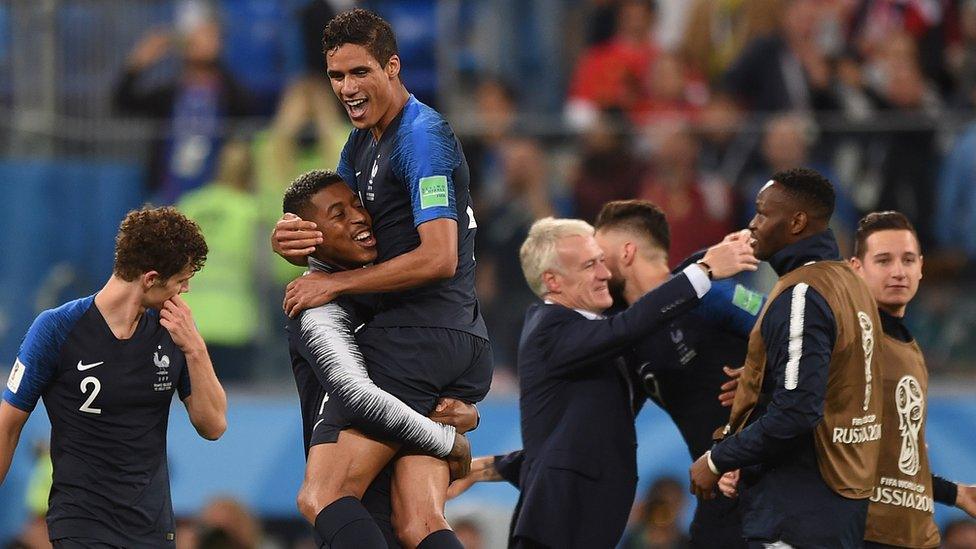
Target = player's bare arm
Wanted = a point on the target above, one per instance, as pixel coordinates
(482, 470)
(12, 420)
(207, 405)
(434, 259)
(966, 499)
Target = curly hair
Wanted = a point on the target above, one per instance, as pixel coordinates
(363, 28)
(158, 239)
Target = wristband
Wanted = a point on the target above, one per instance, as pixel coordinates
(711, 464)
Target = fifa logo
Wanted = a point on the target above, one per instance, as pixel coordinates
(910, 404)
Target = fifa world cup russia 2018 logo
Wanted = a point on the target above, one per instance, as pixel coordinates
(910, 403)
(867, 345)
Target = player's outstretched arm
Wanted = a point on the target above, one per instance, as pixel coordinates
(12, 420)
(207, 405)
(434, 259)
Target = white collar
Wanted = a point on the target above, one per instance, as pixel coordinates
(589, 315)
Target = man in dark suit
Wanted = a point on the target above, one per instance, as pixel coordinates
(577, 401)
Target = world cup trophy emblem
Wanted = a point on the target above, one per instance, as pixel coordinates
(910, 404)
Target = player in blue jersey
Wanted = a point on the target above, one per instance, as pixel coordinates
(427, 339)
(107, 366)
(352, 428)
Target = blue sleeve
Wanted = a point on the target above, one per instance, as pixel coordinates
(731, 306)
(509, 467)
(345, 168)
(37, 362)
(799, 332)
(425, 159)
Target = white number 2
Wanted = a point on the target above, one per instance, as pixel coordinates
(96, 387)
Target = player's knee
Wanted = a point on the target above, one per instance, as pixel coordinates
(312, 498)
(412, 527)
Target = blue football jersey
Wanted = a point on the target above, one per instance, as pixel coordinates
(108, 401)
(416, 173)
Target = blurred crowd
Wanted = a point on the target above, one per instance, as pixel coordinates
(689, 103)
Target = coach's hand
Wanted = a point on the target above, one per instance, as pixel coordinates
(966, 499)
(729, 484)
(727, 396)
(305, 292)
(703, 480)
(176, 317)
(459, 460)
(451, 411)
(293, 238)
(730, 257)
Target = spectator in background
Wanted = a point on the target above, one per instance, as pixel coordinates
(228, 523)
(717, 30)
(786, 70)
(194, 106)
(614, 74)
(502, 229)
(959, 534)
(961, 55)
(657, 523)
(607, 168)
(496, 110)
(699, 209)
(724, 150)
(907, 168)
(675, 94)
(955, 215)
(469, 533)
(224, 296)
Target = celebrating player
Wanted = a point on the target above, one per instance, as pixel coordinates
(427, 339)
(107, 366)
(339, 401)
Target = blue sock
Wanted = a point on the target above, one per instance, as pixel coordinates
(345, 524)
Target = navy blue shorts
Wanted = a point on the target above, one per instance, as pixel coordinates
(420, 365)
(323, 415)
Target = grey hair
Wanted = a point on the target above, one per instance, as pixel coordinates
(538, 252)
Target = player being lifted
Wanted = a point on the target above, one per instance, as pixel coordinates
(107, 366)
(352, 428)
(427, 339)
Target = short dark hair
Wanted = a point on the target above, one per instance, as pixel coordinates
(638, 216)
(304, 187)
(880, 221)
(158, 239)
(364, 28)
(811, 189)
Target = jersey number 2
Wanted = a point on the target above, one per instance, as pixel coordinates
(96, 387)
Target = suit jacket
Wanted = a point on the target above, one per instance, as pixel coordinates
(577, 405)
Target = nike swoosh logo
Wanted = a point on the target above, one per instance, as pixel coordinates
(83, 367)
(357, 174)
